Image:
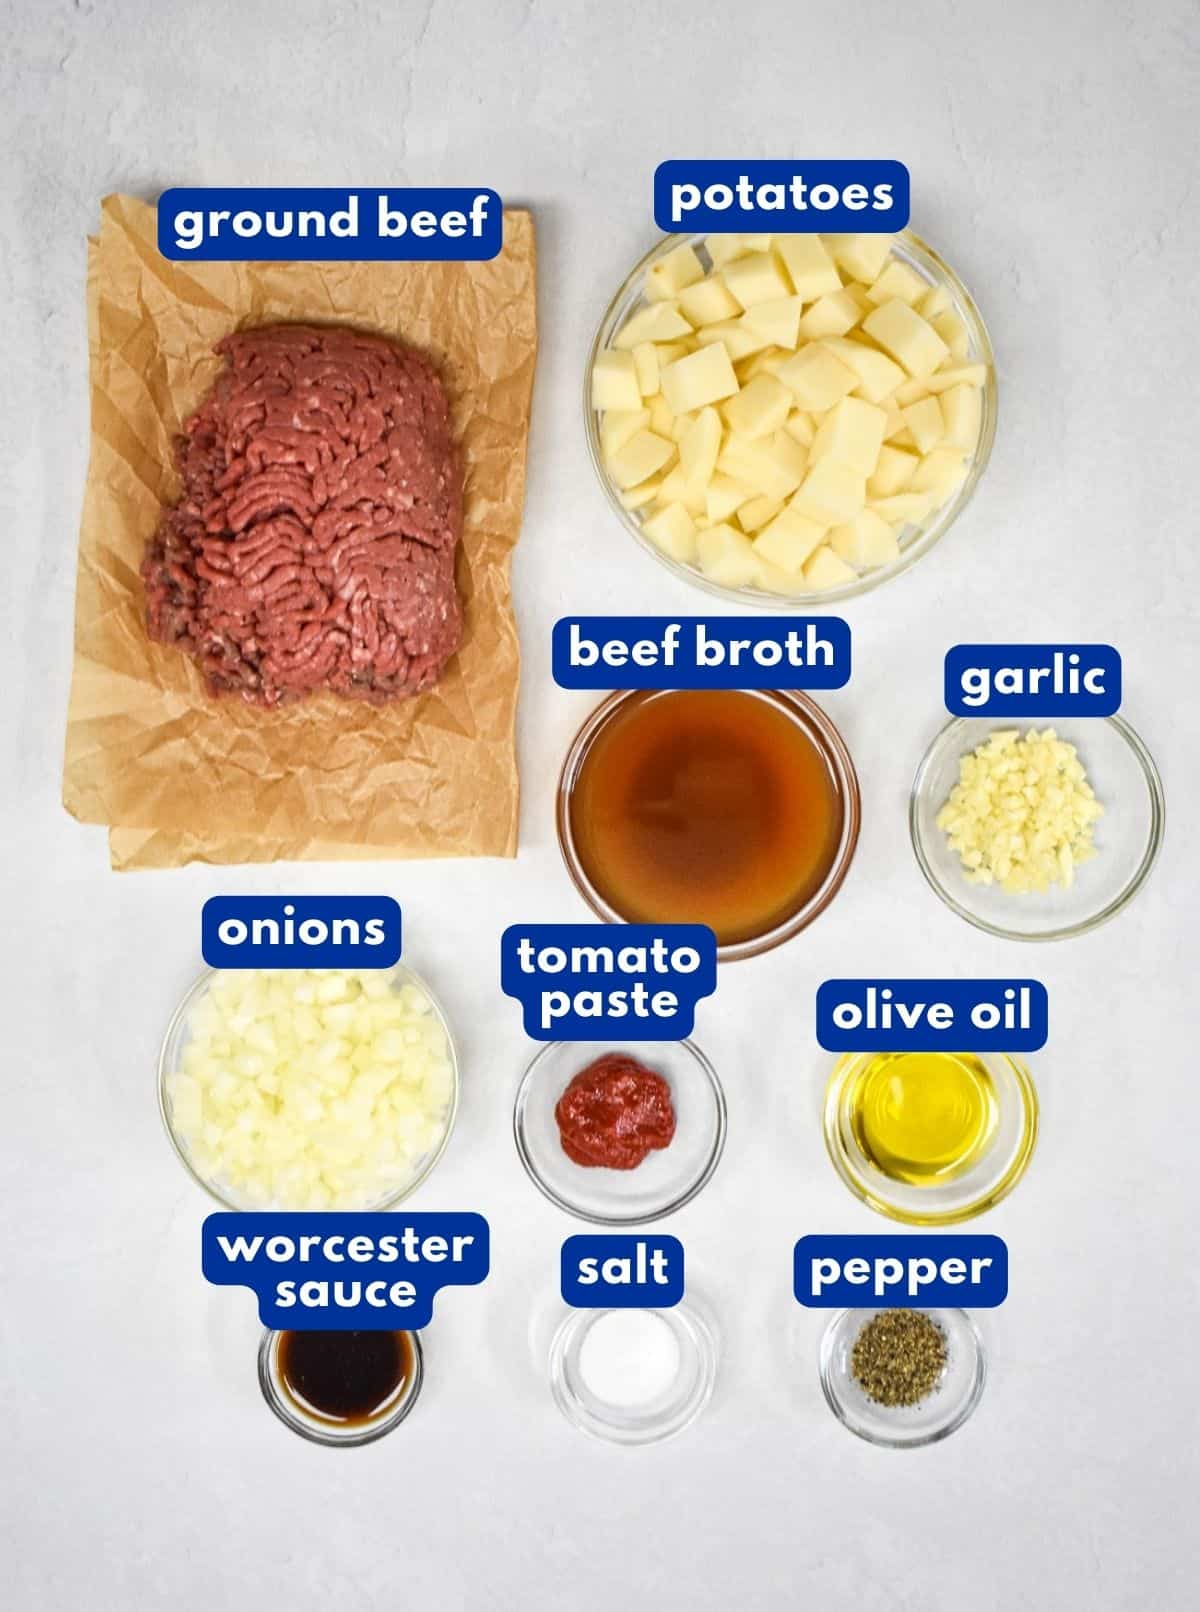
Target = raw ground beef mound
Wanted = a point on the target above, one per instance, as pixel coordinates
(314, 543)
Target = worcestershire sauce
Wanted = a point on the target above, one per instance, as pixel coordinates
(345, 1377)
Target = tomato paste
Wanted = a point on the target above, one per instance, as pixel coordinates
(614, 1113)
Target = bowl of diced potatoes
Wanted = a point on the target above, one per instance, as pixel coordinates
(790, 417)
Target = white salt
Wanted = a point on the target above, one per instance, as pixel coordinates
(629, 1357)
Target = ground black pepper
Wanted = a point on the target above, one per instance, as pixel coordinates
(898, 1357)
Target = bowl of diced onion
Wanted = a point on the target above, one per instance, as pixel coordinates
(831, 442)
(292, 1089)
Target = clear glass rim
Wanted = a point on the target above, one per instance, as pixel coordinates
(642, 1218)
(939, 1431)
(819, 728)
(926, 539)
(703, 1339)
(862, 1189)
(1158, 815)
(197, 987)
(292, 1417)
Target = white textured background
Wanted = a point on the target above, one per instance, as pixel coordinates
(1052, 150)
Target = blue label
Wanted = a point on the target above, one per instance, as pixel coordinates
(300, 932)
(320, 226)
(787, 197)
(342, 1273)
(627, 1273)
(587, 982)
(932, 1015)
(701, 652)
(1033, 680)
(861, 1272)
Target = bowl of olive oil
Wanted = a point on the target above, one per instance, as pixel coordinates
(930, 1137)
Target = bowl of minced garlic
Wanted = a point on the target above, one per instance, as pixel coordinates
(1036, 833)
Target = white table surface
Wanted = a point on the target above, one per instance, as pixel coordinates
(1052, 151)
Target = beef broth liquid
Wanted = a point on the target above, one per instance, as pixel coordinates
(350, 1378)
(706, 806)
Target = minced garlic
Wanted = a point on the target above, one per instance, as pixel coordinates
(1021, 813)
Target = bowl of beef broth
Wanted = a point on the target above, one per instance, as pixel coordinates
(734, 808)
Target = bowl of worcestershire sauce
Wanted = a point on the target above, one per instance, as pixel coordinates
(734, 808)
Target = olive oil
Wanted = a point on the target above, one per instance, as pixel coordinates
(922, 1117)
(708, 806)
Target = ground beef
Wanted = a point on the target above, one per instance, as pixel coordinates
(314, 543)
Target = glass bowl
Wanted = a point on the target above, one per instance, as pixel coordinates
(823, 735)
(650, 1421)
(901, 1427)
(320, 1430)
(1121, 771)
(176, 1039)
(667, 1178)
(940, 1203)
(917, 540)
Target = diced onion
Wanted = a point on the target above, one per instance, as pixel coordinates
(311, 1089)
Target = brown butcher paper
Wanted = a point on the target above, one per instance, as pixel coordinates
(180, 776)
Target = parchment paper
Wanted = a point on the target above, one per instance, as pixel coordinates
(182, 777)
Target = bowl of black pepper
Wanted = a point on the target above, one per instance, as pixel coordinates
(902, 1378)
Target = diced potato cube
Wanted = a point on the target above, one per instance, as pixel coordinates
(903, 508)
(725, 556)
(831, 315)
(962, 411)
(878, 375)
(896, 428)
(679, 268)
(831, 493)
(724, 248)
(774, 467)
(939, 472)
(662, 417)
(866, 542)
(765, 362)
(960, 375)
(810, 268)
(640, 457)
(953, 332)
(645, 362)
(756, 278)
(816, 378)
(709, 301)
(898, 280)
(924, 420)
(644, 493)
(724, 497)
(759, 408)
(902, 332)
(825, 569)
(910, 392)
(936, 299)
(698, 448)
(778, 320)
(799, 425)
(670, 351)
(789, 539)
(619, 425)
(655, 321)
(775, 579)
(614, 382)
(673, 488)
(862, 256)
(673, 530)
(859, 293)
(702, 377)
(894, 469)
(851, 434)
(737, 337)
(755, 514)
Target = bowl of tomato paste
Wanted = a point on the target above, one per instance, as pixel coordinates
(623, 1134)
